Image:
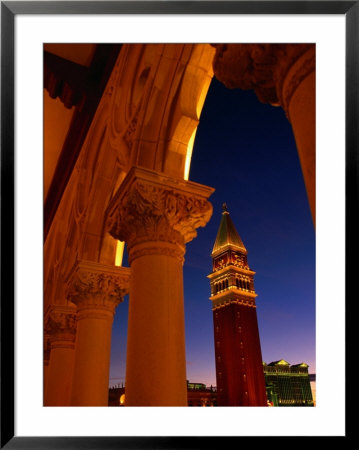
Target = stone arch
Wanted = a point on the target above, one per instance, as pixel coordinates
(155, 94)
(121, 132)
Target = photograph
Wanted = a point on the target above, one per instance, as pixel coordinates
(145, 145)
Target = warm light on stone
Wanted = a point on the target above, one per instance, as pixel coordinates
(96, 290)
(124, 181)
(61, 330)
(119, 253)
(157, 215)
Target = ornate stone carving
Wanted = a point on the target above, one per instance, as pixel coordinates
(151, 207)
(60, 321)
(247, 66)
(131, 129)
(97, 286)
(60, 326)
(127, 87)
(265, 68)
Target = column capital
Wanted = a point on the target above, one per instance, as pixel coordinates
(60, 327)
(273, 71)
(97, 287)
(151, 207)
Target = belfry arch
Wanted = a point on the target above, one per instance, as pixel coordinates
(130, 182)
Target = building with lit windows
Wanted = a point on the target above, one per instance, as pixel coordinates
(287, 385)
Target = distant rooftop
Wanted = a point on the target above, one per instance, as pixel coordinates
(282, 362)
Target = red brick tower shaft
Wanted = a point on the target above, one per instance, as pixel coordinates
(239, 367)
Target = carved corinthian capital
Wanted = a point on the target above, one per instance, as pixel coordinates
(60, 327)
(273, 71)
(94, 286)
(151, 207)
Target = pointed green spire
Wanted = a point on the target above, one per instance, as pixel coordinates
(227, 234)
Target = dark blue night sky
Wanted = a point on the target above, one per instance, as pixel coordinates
(246, 151)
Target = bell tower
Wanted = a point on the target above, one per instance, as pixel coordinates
(239, 367)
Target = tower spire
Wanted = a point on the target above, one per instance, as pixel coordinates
(239, 370)
(227, 235)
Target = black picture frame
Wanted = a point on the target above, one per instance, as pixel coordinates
(9, 9)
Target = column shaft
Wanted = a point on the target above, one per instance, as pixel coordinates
(60, 340)
(58, 389)
(45, 374)
(156, 216)
(302, 116)
(156, 332)
(92, 364)
(47, 352)
(96, 290)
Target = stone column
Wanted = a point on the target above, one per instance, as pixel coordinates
(96, 290)
(298, 101)
(47, 352)
(282, 75)
(61, 328)
(156, 215)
